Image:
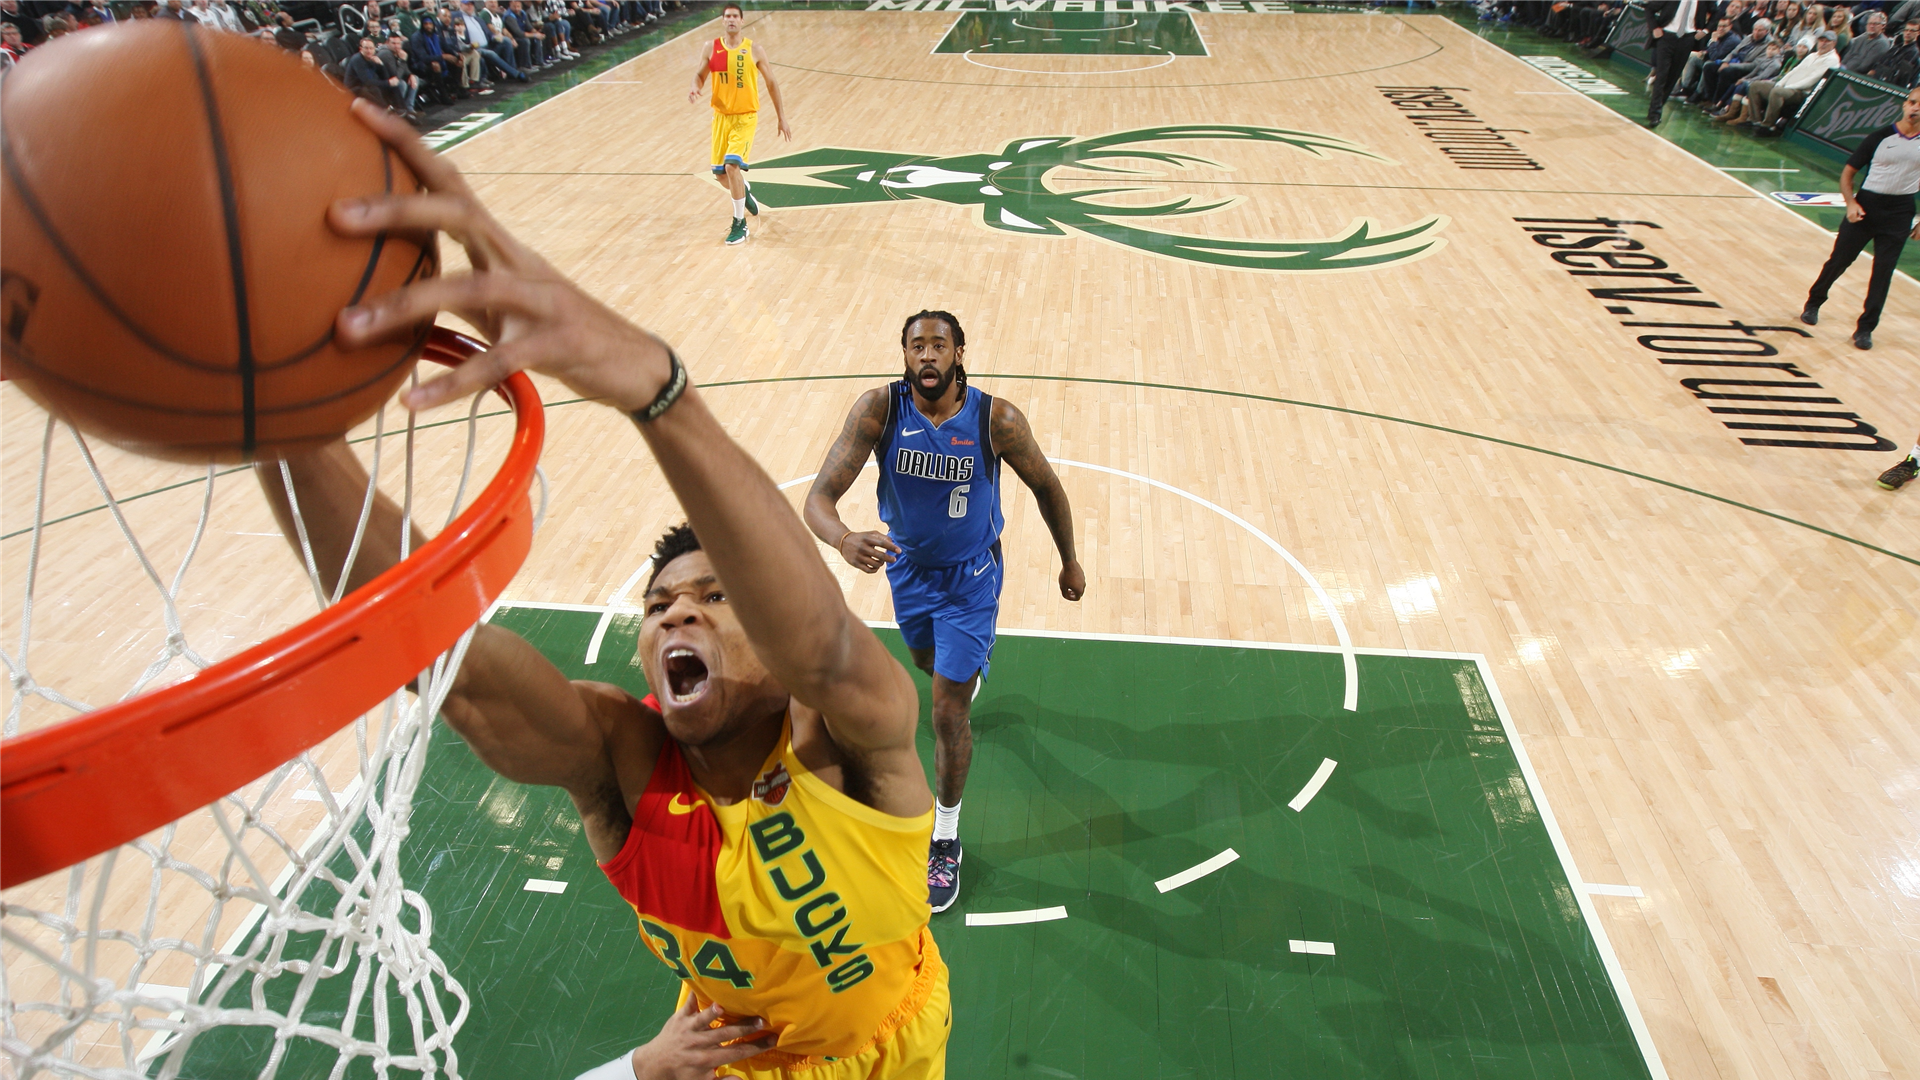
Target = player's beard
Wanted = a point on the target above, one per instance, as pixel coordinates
(939, 389)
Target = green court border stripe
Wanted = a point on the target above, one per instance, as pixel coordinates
(1241, 394)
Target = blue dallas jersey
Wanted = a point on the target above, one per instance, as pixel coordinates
(939, 485)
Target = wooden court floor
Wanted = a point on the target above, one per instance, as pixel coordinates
(1706, 645)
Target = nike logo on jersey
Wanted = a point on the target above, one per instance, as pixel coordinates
(915, 431)
(679, 804)
(982, 570)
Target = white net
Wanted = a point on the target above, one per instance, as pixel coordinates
(271, 933)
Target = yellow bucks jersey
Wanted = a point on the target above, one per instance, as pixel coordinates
(736, 82)
(798, 904)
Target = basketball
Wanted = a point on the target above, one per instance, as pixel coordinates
(170, 280)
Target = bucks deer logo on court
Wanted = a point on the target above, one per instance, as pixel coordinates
(1011, 190)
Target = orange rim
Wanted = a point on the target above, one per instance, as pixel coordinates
(83, 786)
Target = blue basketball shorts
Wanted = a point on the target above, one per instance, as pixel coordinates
(950, 609)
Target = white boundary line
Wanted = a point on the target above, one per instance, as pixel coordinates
(1317, 948)
(1608, 958)
(1014, 918)
(1299, 802)
(607, 611)
(1633, 891)
(1194, 873)
(1760, 195)
(944, 34)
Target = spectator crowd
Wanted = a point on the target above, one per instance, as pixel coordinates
(408, 55)
(1754, 62)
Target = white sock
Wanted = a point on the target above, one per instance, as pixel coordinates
(739, 208)
(1915, 456)
(946, 821)
(620, 1068)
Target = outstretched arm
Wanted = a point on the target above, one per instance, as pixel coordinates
(786, 599)
(867, 551)
(518, 712)
(1013, 442)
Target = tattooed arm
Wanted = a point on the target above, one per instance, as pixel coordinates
(868, 551)
(1013, 442)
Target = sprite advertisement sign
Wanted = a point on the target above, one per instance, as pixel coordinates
(1843, 108)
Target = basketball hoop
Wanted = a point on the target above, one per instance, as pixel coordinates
(227, 739)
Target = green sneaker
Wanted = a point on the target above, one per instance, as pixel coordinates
(737, 234)
(1897, 476)
(753, 205)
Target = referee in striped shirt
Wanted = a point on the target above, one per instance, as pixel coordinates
(1881, 213)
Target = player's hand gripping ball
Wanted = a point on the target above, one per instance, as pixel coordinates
(170, 280)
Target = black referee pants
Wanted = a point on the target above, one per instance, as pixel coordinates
(1669, 57)
(1888, 223)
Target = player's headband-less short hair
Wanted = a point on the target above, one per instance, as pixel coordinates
(724, 8)
(953, 324)
(676, 542)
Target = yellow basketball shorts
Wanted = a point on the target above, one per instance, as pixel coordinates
(918, 1051)
(733, 139)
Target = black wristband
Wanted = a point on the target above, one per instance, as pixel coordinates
(670, 393)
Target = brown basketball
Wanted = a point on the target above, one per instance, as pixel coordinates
(169, 279)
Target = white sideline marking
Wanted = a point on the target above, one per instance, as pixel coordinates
(311, 795)
(535, 884)
(1195, 873)
(606, 617)
(1314, 785)
(1010, 918)
(1613, 890)
(466, 125)
(1318, 948)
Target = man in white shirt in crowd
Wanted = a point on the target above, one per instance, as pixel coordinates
(1772, 103)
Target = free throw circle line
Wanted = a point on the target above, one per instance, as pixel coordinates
(1194, 873)
(1351, 699)
(1299, 802)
